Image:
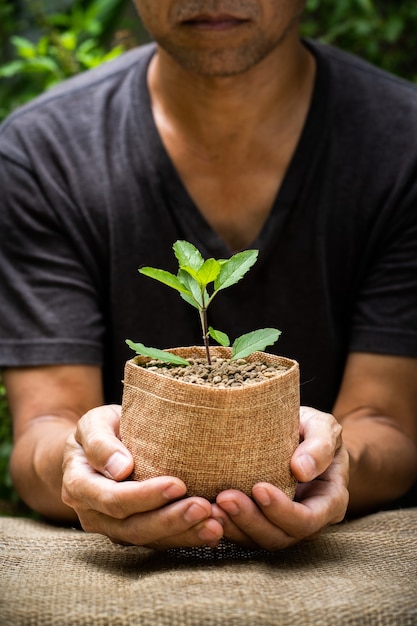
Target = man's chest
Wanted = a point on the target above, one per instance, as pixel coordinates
(235, 194)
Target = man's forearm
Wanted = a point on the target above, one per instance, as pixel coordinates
(36, 467)
(383, 461)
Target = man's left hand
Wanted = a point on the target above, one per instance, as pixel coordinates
(271, 520)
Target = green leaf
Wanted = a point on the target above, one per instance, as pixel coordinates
(166, 278)
(68, 40)
(12, 68)
(208, 272)
(257, 340)
(43, 46)
(155, 353)
(191, 284)
(89, 46)
(25, 47)
(187, 255)
(187, 269)
(113, 54)
(235, 268)
(220, 337)
(42, 65)
(190, 300)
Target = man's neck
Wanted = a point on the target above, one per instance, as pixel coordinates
(213, 113)
(231, 139)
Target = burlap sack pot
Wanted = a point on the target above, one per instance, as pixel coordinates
(212, 438)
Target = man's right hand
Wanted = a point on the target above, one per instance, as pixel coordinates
(151, 513)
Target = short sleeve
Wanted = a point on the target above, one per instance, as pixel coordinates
(50, 283)
(385, 318)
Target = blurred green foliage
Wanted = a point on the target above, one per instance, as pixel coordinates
(7, 494)
(41, 48)
(383, 31)
(44, 42)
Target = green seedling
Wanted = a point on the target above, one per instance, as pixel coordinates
(192, 282)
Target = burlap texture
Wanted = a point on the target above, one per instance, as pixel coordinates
(211, 438)
(362, 573)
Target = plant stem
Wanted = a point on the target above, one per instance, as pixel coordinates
(204, 326)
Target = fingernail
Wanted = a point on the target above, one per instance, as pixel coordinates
(230, 507)
(195, 513)
(262, 496)
(308, 467)
(207, 534)
(116, 465)
(173, 492)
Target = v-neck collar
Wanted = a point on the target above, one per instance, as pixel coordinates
(173, 193)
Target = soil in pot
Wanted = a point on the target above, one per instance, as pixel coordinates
(221, 373)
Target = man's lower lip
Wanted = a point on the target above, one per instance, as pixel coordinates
(215, 25)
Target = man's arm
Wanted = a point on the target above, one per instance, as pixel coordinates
(46, 404)
(377, 407)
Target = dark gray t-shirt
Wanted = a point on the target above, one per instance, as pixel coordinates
(88, 195)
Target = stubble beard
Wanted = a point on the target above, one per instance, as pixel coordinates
(216, 63)
(224, 60)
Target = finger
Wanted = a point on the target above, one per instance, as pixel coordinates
(329, 492)
(250, 519)
(321, 437)
(84, 488)
(98, 434)
(318, 503)
(182, 523)
(278, 522)
(207, 533)
(230, 530)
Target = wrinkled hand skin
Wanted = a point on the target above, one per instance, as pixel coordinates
(271, 521)
(148, 513)
(155, 513)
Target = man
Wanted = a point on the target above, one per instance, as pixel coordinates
(232, 133)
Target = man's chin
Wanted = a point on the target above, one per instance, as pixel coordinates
(217, 62)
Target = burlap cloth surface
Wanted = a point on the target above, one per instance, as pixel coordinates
(358, 573)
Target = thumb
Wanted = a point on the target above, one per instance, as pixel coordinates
(321, 438)
(98, 434)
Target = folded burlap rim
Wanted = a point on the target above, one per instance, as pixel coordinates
(213, 439)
